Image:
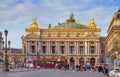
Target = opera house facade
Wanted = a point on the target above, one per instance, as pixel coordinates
(71, 41)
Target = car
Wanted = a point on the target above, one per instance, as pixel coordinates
(112, 72)
(117, 73)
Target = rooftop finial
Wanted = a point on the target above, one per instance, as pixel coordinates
(71, 15)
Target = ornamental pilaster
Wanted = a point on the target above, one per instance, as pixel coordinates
(86, 46)
(77, 47)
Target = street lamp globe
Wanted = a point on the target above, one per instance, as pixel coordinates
(6, 32)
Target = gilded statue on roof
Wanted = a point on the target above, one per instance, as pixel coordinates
(34, 23)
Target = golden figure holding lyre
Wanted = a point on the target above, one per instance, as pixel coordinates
(34, 23)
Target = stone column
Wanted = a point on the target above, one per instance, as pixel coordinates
(76, 60)
(99, 48)
(58, 47)
(49, 47)
(86, 45)
(68, 60)
(85, 60)
(40, 46)
(88, 48)
(26, 55)
(68, 51)
(76, 48)
(96, 60)
(36, 47)
(28, 47)
(96, 48)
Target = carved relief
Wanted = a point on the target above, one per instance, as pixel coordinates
(49, 34)
(92, 34)
(53, 34)
(63, 34)
(74, 34)
(45, 34)
(67, 34)
(32, 36)
(81, 34)
(58, 34)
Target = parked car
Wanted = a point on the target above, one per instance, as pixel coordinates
(117, 73)
(112, 72)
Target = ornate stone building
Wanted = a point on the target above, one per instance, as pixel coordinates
(113, 37)
(71, 40)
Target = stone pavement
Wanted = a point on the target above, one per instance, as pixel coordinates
(51, 73)
(19, 70)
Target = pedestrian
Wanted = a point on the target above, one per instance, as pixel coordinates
(100, 68)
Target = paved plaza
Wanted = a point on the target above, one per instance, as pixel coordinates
(51, 73)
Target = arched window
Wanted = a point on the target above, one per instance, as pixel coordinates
(44, 49)
(32, 48)
(81, 50)
(72, 49)
(62, 49)
(92, 49)
(53, 49)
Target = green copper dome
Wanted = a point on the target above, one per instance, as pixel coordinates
(71, 22)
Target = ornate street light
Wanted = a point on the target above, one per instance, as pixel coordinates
(6, 48)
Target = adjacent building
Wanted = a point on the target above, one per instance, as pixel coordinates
(14, 55)
(70, 40)
(113, 38)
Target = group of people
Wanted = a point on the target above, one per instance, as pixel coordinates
(66, 66)
(104, 69)
(82, 67)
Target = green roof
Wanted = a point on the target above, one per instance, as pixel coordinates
(71, 22)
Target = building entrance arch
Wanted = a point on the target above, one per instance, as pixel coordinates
(81, 61)
(92, 61)
(72, 61)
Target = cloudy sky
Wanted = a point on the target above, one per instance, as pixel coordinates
(16, 15)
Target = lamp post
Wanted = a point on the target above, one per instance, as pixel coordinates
(6, 48)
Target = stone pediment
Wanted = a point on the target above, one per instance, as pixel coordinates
(32, 36)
